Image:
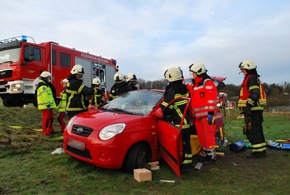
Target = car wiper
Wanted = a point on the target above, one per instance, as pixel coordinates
(119, 110)
(9, 61)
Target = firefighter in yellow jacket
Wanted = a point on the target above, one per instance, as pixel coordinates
(46, 102)
(62, 113)
(251, 99)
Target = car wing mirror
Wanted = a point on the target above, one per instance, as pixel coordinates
(159, 113)
(92, 108)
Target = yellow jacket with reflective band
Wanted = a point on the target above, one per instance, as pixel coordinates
(44, 96)
(62, 103)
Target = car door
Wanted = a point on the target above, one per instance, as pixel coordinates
(170, 141)
(170, 145)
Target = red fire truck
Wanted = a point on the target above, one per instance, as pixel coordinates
(21, 63)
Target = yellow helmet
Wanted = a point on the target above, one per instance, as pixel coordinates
(199, 68)
(173, 74)
(131, 77)
(64, 81)
(45, 74)
(97, 81)
(77, 69)
(118, 77)
(247, 65)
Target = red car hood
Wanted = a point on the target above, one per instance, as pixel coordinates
(99, 119)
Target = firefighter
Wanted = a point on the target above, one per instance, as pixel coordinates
(250, 104)
(204, 107)
(120, 86)
(175, 111)
(77, 92)
(132, 81)
(98, 98)
(62, 113)
(46, 102)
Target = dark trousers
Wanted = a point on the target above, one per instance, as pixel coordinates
(256, 134)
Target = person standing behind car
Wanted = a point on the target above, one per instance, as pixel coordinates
(62, 105)
(203, 94)
(119, 87)
(174, 112)
(250, 104)
(98, 98)
(46, 102)
(77, 92)
(132, 82)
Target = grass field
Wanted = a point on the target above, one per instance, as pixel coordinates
(28, 167)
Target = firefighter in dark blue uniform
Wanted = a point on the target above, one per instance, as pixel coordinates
(250, 102)
(120, 86)
(175, 111)
(77, 92)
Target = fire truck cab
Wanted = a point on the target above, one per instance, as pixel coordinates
(21, 63)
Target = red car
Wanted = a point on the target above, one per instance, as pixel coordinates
(126, 133)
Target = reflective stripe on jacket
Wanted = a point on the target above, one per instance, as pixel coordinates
(76, 95)
(203, 98)
(98, 96)
(44, 96)
(62, 103)
(174, 112)
(245, 93)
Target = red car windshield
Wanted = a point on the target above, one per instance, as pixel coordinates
(140, 102)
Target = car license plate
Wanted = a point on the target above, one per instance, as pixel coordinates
(76, 144)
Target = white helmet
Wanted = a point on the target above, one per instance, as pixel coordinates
(247, 65)
(77, 69)
(199, 68)
(97, 81)
(64, 81)
(173, 74)
(45, 74)
(118, 77)
(131, 77)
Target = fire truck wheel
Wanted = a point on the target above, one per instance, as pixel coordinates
(15, 101)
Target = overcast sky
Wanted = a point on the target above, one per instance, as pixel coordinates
(148, 37)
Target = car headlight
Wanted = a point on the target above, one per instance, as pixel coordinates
(69, 124)
(111, 130)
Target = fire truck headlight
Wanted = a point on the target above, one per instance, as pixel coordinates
(16, 87)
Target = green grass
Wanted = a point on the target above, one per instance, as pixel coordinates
(28, 167)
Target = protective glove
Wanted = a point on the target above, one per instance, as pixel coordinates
(210, 119)
(247, 110)
(48, 107)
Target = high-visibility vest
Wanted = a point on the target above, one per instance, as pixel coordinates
(44, 96)
(203, 98)
(62, 103)
(245, 94)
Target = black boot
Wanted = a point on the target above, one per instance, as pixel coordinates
(256, 155)
(208, 159)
